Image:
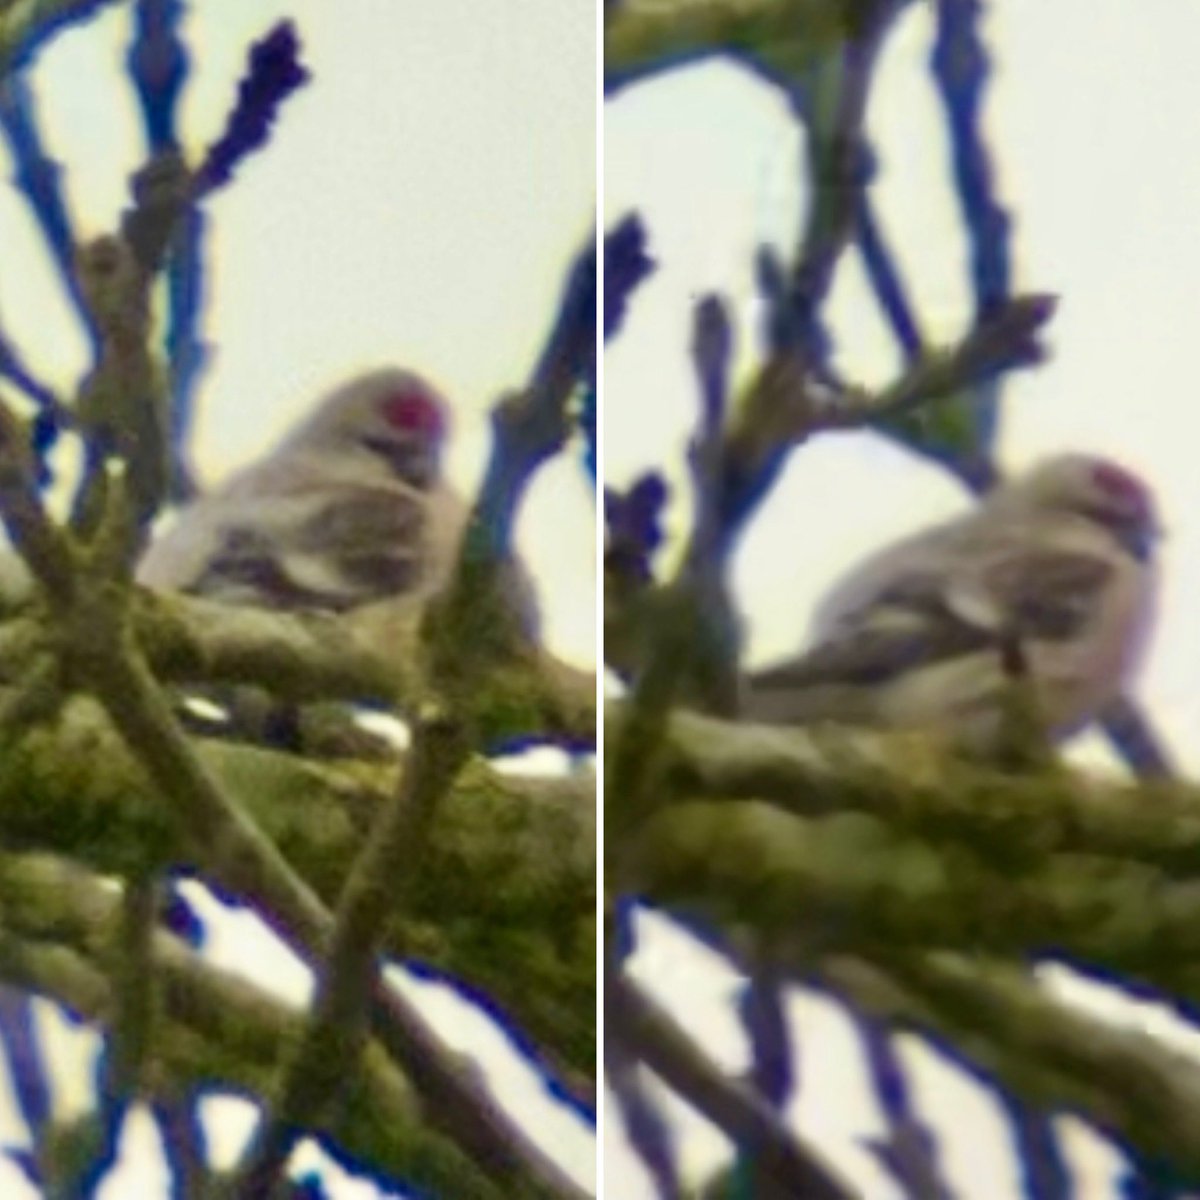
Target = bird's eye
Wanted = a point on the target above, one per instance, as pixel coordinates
(414, 412)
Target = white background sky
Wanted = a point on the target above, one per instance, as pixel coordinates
(1092, 116)
(418, 206)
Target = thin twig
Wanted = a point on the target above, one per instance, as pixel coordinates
(27, 1067)
(908, 1150)
(462, 1106)
(1000, 1026)
(134, 1025)
(653, 1036)
(184, 1146)
(158, 65)
(960, 70)
(774, 1057)
(1135, 740)
(37, 176)
(832, 102)
(647, 1128)
(1044, 1170)
(317, 1072)
(627, 265)
(44, 549)
(886, 280)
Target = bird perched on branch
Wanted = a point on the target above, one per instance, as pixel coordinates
(349, 507)
(351, 513)
(1052, 579)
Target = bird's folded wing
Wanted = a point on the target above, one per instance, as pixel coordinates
(1048, 595)
(340, 551)
(920, 617)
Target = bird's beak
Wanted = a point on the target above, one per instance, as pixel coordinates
(1142, 541)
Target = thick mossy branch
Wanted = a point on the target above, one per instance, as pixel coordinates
(512, 875)
(783, 36)
(219, 1030)
(920, 788)
(851, 882)
(530, 693)
(993, 1018)
(305, 657)
(297, 656)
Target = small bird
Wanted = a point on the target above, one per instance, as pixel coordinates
(1057, 565)
(350, 514)
(350, 507)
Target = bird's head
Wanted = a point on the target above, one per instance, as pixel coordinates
(1098, 489)
(390, 415)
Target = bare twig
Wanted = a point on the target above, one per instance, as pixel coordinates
(273, 73)
(27, 1066)
(960, 70)
(627, 264)
(886, 280)
(908, 1150)
(38, 178)
(653, 1036)
(46, 552)
(158, 65)
(134, 1025)
(831, 99)
(316, 1073)
(1045, 1173)
(1133, 737)
(184, 1146)
(773, 1053)
(648, 1131)
(993, 1020)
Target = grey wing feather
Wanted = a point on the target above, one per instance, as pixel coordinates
(902, 626)
(1049, 595)
(915, 619)
(342, 552)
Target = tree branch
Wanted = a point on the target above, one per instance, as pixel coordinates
(654, 1037)
(994, 1019)
(220, 1030)
(919, 787)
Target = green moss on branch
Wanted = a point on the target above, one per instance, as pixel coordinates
(513, 877)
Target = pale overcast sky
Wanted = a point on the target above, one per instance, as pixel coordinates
(1092, 115)
(418, 205)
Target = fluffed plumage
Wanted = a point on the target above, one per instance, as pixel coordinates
(350, 509)
(1059, 563)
